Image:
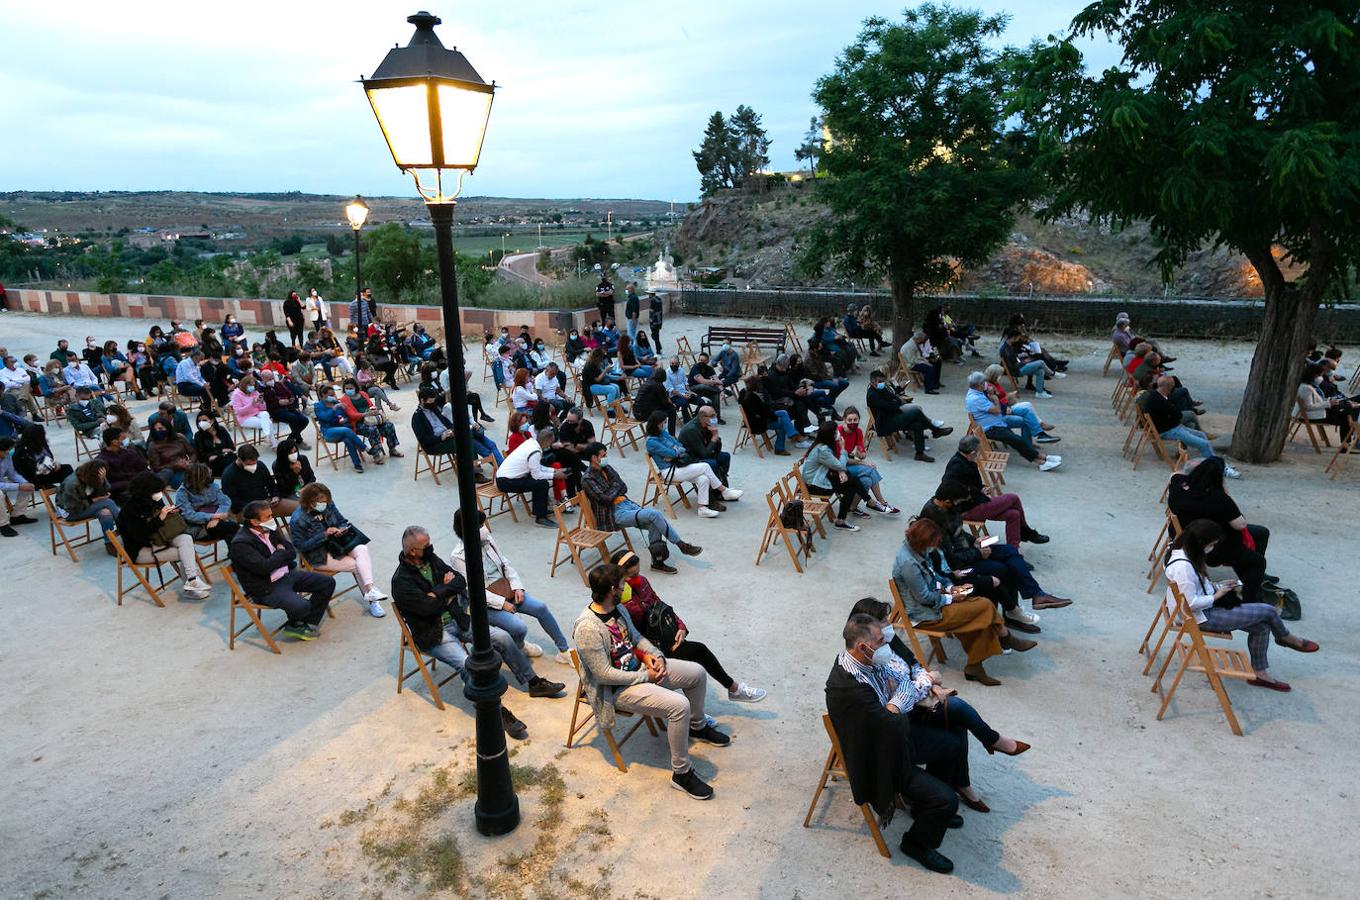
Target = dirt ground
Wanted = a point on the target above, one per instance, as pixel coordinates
(145, 760)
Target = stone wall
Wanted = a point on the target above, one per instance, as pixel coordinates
(1192, 318)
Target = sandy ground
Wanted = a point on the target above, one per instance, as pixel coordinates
(145, 760)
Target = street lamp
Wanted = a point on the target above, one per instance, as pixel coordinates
(357, 213)
(432, 107)
(503, 237)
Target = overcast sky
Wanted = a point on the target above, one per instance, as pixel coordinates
(598, 99)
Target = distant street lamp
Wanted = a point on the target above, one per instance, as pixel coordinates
(609, 218)
(503, 237)
(433, 107)
(357, 213)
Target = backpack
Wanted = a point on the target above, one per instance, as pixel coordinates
(791, 516)
(660, 626)
(1284, 599)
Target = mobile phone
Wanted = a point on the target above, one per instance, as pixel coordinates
(988, 541)
(968, 571)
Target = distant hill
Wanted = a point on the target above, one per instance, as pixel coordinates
(754, 238)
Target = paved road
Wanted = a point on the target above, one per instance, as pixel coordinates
(523, 267)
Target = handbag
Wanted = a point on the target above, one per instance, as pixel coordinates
(501, 588)
(1284, 599)
(341, 545)
(791, 516)
(660, 626)
(171, 527)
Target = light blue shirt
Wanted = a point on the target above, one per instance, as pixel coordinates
(79, 375)
(979, 406)
(188, 371)
(677, 382)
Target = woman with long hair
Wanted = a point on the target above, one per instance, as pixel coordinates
(34, 460)
(628, 362)
(292, 469)
(367, 378)
(212, 443)
(85, 494)
(152, 528)
(826, 471)
(668, 454)
(168, 453)
(205, 508)
(595, 380)
(1219, 607)
(523, 397)
(331, 544)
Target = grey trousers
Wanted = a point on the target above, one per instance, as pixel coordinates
(678, 698)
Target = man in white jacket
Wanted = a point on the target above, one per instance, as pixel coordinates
(505, 594)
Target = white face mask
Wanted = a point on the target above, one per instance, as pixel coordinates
(292, 457)
(112, 420)
(269, 525)
(204, 425)
(251, 467)
(883, 656)
(321, 505)
(158, 496)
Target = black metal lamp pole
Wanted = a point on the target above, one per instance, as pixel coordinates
(358, 285)
(497, 810)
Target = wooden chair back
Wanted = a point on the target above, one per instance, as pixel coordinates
(684, 352)
(991, 465)
(252, 611)
(889, 441)
(435, 465)
(775, 530)
(818, 509)
(1114, 356)
(898, 619)
(581, 537)
(424, 664)
(1215, 663)
(621, 428)
(1317, 434)
(834, 769)
(581, 723)
(1344, 448)
(746, 436)
(658, 487)
(57, 528)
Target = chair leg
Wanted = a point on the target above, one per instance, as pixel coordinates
(821, 786)
(874, 830)
(614, 749)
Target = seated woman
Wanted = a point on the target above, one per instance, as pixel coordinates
(151, 528)
(144, 368)
(574, 350)
(250, 409)
(85, 494)
(961, 603)
(117, 368)
(212, 443)
(826, 471)
(366, 376)
(1040, 429)
(668, 455)
(168, 454)
(762, 414)
(932, 705)
(871, 330)
(852, 443)
(204, 507)
(52, 384)
(1219, 607)
(118, 416)
(33, 459)
(366, 418)
(292, 470)
(595, 381)
(331, 544)
(1198, 493)
(518, 429)
(1316, 407)
(658, 623)
(627, 362)
(642, 349)
(335, 428)
(523, 397)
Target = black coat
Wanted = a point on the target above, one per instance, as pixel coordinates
(137, 521)
(651, 397)
(422, 603)
(959, 546)
(425, 435)
(245, 487)
(875, 741)
(959, 469)
(287, 481)
(254, 564)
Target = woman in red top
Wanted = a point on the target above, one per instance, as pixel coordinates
(851, 439)
(639, 598)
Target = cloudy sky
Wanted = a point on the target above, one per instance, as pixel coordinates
(598, 99)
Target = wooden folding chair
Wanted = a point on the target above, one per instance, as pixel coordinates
(889, 441)
(57, 528)
(356, 586)
(1215, 663)
(1150, 438)
(775, 530)
(141, 570)
(898, 619)
(795, 343)
(621, 428)
(241, 434)
(581, 537)
(581, 723)
(435, 465)
(833, 769)
(83, 449)
(1114, 356)
(751, 358)
(240, 601)
(1317, 434)
(819, 509)
(991, 465)
(987, 443)
(683, 351)
(658, 489)
(1163, 617)
(425, 664)
(1344, 448)
(746, 436)
(1171, 529)
(332, 452)
(50, 414)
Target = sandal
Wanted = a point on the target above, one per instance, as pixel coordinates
(1281, 686)
(1306, 647)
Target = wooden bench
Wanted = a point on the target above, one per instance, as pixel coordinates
(775, 338)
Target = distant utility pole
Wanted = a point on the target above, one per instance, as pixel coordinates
(609, 220)
(540, 235)
(503, 237)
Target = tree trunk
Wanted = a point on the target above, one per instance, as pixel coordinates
(903, 293)
(1276, 366)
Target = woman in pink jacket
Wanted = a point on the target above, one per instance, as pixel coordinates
(249, 408)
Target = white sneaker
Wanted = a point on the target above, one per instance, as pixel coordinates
(937, 423)
(198, 587)
(1231, 472)
(1050, 464)
(1043, 395)
(1059, 375)
(532, 649)
(706, 513)
(731, 494)
(1020, 614)
(563, 658)
(374, 594)
(746, 694)
(375, 609)
(568, 509)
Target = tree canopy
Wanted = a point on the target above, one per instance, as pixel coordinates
(732, 149)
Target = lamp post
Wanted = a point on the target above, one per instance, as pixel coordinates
(503, 237)
(433, 107)
(357, 213)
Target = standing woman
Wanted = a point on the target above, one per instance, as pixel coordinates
(827, 471)
(152, 529)
(33, 459)
(316, 310)
(331, 544)
(654, 315)
(1218, 606)
(292, 314)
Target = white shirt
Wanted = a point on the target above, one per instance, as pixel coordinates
(1198, 592)
(79, 375)
(523, 398)
(14, 379)
(525, 461)
(546, 385)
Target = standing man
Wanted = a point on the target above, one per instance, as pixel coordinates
(361, 314)
(604, 298)
(632, 311)
(654, 315)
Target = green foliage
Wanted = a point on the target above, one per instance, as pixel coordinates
(394, 259)
(337, 245)
(810, 151)
(921, 173)
(590, 252)
(732, 149)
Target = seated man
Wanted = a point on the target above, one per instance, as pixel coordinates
(977, 506)
(892, 416)
(1173, 423)
(86, 415)
(621, 669)
(729, 365)
(867, 706)
(677, 385)
(179, 422)
(1021, 362)
(703, 443)
(524, 472)
(1002, 561)
(704, 382)
(266, 566)
(246, 481)
(433, 430)
(548, 385)
(78, 374)
(982, 404)
(189, 379)
(14, 488)
(609, 502)
(919, 356)
(652, 397)
(433, 599)
(121, 462)
(282, 405)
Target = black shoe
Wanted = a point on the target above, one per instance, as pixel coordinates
(1270, 579)
(942, 432)
(924, 458)
(1168, 359)
(1029, 535)
(7, 531)
(486, 418)
(710, 735)
(933, 860)
(21, 520)
(542, 687)
(545, 522)
(693, 785)
(1013, 625)
(513, 727)
(661, 566)
(932, 390)
(689, 549)
(955, 822)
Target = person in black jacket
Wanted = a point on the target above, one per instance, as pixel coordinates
(266, 567)
(881, 747)
(246, 481)
(892, 414)
(213, 443)
(292, 469)
(653, 397)
(433, 430)
(977, 506)
(146, 512)
(433, 600)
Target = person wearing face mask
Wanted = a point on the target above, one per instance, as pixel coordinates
(983, 405)
(213, 444)
(892, 415)
(205, 508)
(282, 405)
(16, 382)
(234, 334)
(509, 604)
(172, 416)
(54, 388)
(247, 481)
(622, 670)
(674, 465)
(168, 454)
(292, 470)
(959, 602)
(574, 350)
(152, 528)
(121, 462)
(250, 409)
(13, 486)
(729, 366)
(539, 357)
(548, 387)
(266, 567)
(1316, 406)
(614, 511)
(367, 419)
(523, 397)
(335, 428)
(86, 414)
(331, 544)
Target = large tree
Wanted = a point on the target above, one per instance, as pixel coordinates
(1225, 124)
(810, 151)
(921, 174)
(751, 143)
(715, 156)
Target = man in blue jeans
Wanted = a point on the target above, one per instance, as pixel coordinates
(1018, 361)
(432, 600)
(1172, 423)
(608, 497)
(982, 404)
